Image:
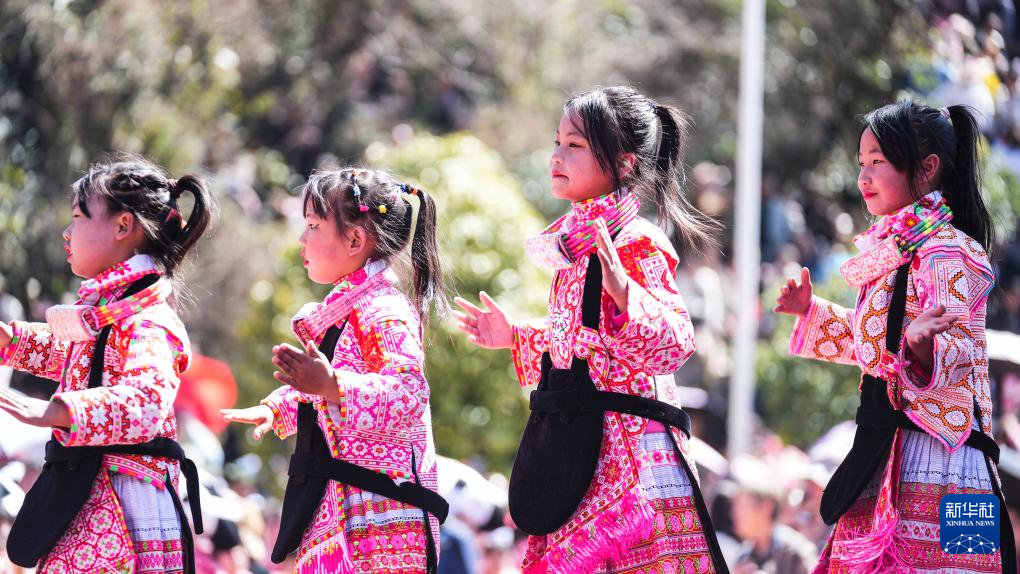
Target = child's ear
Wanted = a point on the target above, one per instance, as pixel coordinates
(357, 240)
(930, 168)
(127, 225)
(625, 163)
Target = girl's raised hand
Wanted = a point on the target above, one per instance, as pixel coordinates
(614, 277)
(260, 415)
(33, 411)
(490, 328)
(795, 298)
(308, 372)
(920, 334)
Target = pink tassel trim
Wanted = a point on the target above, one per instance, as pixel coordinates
(608, 536)
(874, 552)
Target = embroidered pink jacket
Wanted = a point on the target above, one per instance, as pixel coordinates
(145, 356)
(638, 357)
(948, 269)
(384, 421)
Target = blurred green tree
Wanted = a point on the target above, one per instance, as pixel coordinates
(800, 398)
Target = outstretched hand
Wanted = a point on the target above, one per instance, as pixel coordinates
(32, 411)
(795, 298)
(490, 328)
(260, 415)
(6, 334)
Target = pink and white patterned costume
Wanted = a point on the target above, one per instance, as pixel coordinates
(899, 510)
(639, 513)
(382, 423)
(129, 523)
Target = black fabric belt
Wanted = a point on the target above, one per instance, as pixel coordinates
(883, 419)
(303, 464)
(580, 401)
(159, 447)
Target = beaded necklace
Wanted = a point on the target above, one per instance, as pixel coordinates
(892, 241)
(110, 313)
(580, 239)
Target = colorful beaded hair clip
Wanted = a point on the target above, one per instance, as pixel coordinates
(357, 195)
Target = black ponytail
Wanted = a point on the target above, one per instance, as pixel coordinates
(671, 179)
(425, 259)
(961, 180)
(132, 183)
(183, 234)
(385, 208)
(620, 120)
(908, 132)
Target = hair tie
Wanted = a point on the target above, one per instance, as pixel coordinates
(944, 112)
(414, 200)
(171, 186)
(357, 195)
(172, 215)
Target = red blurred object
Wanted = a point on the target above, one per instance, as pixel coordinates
(206, 387)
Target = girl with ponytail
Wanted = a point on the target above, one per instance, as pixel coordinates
(361, 495)
(918, 335)
(603, 479)
(107, 499)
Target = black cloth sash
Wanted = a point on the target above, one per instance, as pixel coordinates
(312, 466)
(559, 449)
(305, 464)
(582, 401)
(68, 474)
(872, 445)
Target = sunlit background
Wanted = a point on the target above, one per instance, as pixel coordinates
(463, 98)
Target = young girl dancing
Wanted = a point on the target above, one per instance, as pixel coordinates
(361, 495)
(603, 479)
(918, 335)
(106, 500)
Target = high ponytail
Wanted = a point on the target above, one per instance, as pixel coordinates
(908, 132)
(619, 120)
(961, 180)
(425, 261)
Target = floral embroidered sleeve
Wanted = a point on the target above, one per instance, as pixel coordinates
(947, 276)
(394, 394)
(529, 344)
(654, 333)
(824, 333)
(284, 403)
(140, 395)
(34, 350)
